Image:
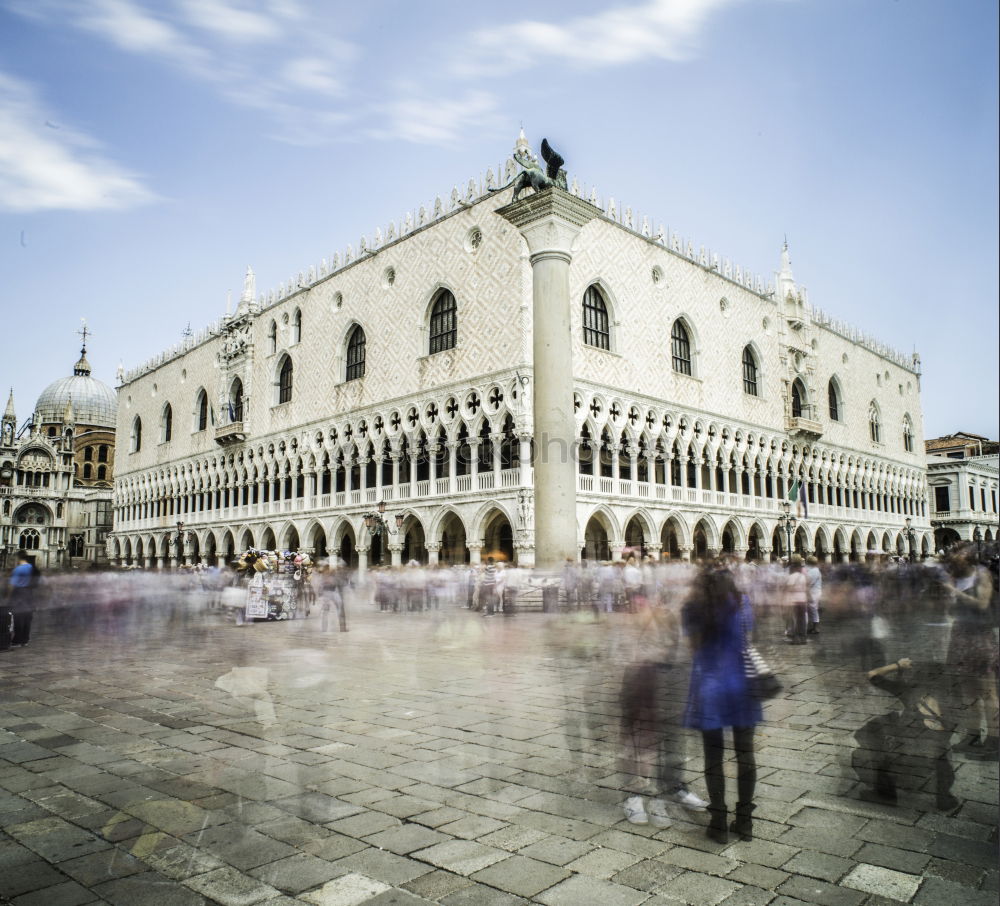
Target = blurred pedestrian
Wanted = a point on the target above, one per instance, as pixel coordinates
(22, 593)
(718, 621)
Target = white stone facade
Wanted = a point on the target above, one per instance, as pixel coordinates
(963, 498)
(690, 464)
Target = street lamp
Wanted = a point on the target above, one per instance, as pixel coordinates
(788, 521)
(910, 539)
(376, 524)
(977, 536)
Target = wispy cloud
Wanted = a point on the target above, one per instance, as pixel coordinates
(438, 121)
(661, 29)
(276, 56)
(45, 166)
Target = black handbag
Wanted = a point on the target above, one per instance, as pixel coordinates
(761, 679)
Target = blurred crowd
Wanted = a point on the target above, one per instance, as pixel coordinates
(659, 650)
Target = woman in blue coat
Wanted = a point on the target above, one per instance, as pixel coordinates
(717, 621)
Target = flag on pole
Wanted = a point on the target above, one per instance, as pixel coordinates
(798, 494)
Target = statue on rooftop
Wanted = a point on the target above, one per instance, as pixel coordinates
(533, 176)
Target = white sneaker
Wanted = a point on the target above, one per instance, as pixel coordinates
(658, 813)
(635, 812)
(689, 800)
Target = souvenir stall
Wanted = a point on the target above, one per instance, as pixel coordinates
(271, 586)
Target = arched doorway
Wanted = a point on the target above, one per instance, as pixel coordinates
(498, 537)
(728, 539)
(801, 541)
(139, 547)
(247, 542)
(945, 538)
(670, 539)
(195, 548)
(700, 542)
(229, 547)
(779, 543)
(635, 539)
(595, 541)
(267, 540)
(347, 549)
(291, 539)
(210, 549)
(318, 542)
(453, 547)
(414, 541)
(755, 542)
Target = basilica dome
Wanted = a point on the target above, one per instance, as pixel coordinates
(94, 402)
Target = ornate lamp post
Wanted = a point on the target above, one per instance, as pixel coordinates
(911, 540)
(180, 543)
(376, 525)
(787, 520)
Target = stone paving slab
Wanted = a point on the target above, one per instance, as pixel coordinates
(427, 771)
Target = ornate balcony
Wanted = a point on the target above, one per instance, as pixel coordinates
(232, 433)
(803, 425)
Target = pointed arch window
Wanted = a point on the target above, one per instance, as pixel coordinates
(136, 434)
(201, 411)
(285, 380)
(272, 338)
(749, 372)
(834, 401)
(908, 436)
(444, 323)
(798, 399)
(166, 426)
(596, 331)
(874, 423)
(356, 354)
(297, 326)
(236, 401)
(680, 348)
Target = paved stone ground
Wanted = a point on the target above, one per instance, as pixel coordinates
(425, 758)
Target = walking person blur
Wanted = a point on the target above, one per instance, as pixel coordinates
(718, 620)
(22, 591)
(796, 601)
(972, 650)
(487, 588)
(814, 591)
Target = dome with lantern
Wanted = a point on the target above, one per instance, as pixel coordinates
(92, 401)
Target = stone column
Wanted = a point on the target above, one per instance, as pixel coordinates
(452, 465)
(549, 221)
(524, 460)
(475, 552)
(433, 549)
(396, 553)
(362, 553)
(685, 551)
(617, 546)
(654, 550)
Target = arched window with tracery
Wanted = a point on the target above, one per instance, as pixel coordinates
(680, 348)
(272, 338)
(444, 323)
(356, 354)
(874, 423)
(297, 326)
(136, 437)
(285, 380)
(29, 540)
(596, 330)
(201, 411)
(749, 372)
(907, 434)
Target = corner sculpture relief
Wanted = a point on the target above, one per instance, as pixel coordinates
(532, 176)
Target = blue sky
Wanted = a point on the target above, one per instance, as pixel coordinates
(151, 149)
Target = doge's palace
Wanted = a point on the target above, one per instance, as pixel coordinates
(412, 368)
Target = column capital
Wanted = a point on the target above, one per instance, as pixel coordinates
(549, 221)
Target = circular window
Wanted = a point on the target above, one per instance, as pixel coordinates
(843, 358)
(814, 344)
(284, 318)
(389, 277)
(153, 392)
(657, 276)
(766, 323)
(724, 307)
(338, 301)
(184, 375)
(473, 239)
